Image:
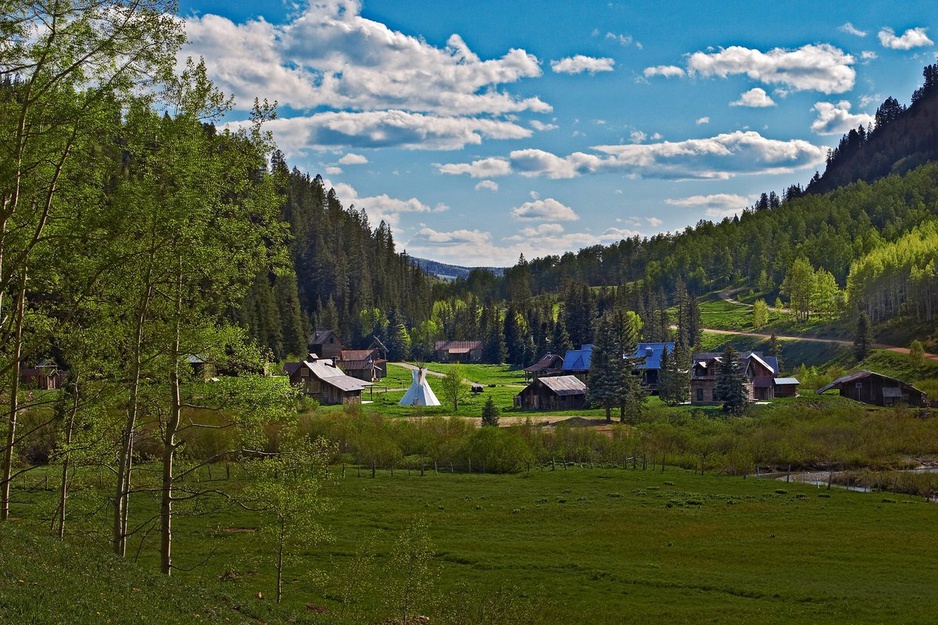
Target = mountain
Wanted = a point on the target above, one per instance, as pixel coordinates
(449, 272)
(902, 139)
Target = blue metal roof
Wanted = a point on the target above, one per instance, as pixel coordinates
(651, 352)
(578, 359)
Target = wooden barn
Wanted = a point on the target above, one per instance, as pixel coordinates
(321, 379)
(869, 387)
(549, 364)
(364, 364)
(326, 344)
(458, 351)
(559, 392)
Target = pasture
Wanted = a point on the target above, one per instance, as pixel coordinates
(574, 545)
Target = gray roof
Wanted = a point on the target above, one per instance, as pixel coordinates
(325, 370)
(787, 381)
(862, 375)
(564, 384)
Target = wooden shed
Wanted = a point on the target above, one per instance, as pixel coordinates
(559, 392)
(877, 389)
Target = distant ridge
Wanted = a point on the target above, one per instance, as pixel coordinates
(902, 139)
(450, 272)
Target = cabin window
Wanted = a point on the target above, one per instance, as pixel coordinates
(700, 394)
(858, 385)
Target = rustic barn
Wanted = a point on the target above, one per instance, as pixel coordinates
(549, 364)
(321, 379)
(44, 376)
(869, 387)
(458, 351)
(364, 364)
(326, 344)
(561, 392)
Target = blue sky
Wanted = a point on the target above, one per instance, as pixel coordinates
(486, 129)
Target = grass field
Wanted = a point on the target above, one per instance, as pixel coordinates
(564, 546)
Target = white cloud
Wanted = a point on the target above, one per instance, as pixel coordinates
(544, 210)
(836, 119)
(702, 120)
(578, 64)
(819, 67)
(754, 98)
(625, 40)
(912, 38)
(719, 157)
(637, 136)
(542, 230)
(654, 222)
(333, 170)
(721, 201)
(378, 129)
(541, 126)
(381, 207)
(868, 55)
(331, 56)
(850, 29)
(476, 248)
(353, 159)
(484, 168)
(488, 185)
(474, 237)
(668, 71)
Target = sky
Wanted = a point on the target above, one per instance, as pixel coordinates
(482, 130)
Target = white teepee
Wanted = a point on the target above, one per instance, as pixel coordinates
(419, 393)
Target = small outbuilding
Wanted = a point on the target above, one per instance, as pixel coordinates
(559, 392)
(873, 388)
(458, 351)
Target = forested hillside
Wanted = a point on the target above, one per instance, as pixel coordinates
(821, 250)
(342, 274)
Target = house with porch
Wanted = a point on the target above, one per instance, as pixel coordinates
(762, 380)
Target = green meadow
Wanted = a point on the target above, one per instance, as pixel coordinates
(574, 545)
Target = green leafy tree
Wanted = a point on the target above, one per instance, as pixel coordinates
(800, 286)
(760, 314)
(286, 487)
(775, 349)
(916, 353)
(411, 573)
(454, 387)
(68, 68)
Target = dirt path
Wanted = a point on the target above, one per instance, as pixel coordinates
(727, 296)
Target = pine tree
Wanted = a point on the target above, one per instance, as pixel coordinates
(863, 342)
(731, 383)
(680, 373)
(666, 378)
(775, 349)
(490, 412)
(560, 340)
(605, 381)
